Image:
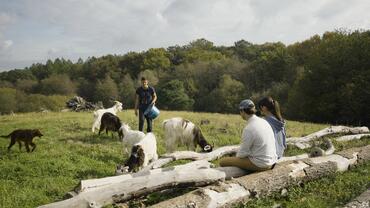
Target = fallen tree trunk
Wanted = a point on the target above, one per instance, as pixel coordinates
(264, 183)
(92, 184)
(198, 173)
(362, 201)
(315, 152)
(304, 142)
(351, 137)
(190, 155)
(215, 154)
(186, 175)
(86, 185)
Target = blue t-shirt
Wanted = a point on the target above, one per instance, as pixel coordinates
(145, 95)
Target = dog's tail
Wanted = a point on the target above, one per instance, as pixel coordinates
(6, 136)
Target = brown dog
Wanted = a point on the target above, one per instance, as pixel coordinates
(23, 135)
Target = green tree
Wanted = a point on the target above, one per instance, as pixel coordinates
(106, 91)
(127, 91)
(26, 85)
(8, 101)
(57, 84)
(227, 96)
(172, 95)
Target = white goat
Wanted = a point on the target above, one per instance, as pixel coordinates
(99, 113)
(179, 130)
(130, 137)
(142, 153)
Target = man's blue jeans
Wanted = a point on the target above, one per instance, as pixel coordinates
(141, 119)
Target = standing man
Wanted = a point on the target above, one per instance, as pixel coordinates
(145, 97)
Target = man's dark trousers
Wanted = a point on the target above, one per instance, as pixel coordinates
(141, 119)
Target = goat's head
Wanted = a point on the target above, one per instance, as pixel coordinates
(124, 129)
(201, 141)
(136, 159)
(118, 105)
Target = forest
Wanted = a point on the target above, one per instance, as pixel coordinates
(325, 78)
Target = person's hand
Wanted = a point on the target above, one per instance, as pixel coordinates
(153, 103)
(135, 112)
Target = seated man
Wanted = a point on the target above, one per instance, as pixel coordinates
(257, 150)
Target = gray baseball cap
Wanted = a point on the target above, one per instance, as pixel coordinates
(246, 104)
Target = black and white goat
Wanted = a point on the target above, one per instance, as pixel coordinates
(99, 113)
(142, 153)
(179, 130)
(110, 122)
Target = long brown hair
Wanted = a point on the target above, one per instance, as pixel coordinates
(272, 106)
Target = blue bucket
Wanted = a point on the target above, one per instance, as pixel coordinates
(151, 112)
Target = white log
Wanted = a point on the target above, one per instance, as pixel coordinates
(303, 142)
(329, 151)
(141, 185)
(190, 155)
(233, 192)
(215, 154)
(362, 201)
(351, 137)
(266, 182)
(92, 184)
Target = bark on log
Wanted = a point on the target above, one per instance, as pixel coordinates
(362, 201)
(316, 152)
(142, 185)
(351, 137)
(188, 174)
(215, 154)
(304, 142)
(264, 183)
(87, 185)
(92, 184)
(182, 155)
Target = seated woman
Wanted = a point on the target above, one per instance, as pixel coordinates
(257, 150)
(270, 109)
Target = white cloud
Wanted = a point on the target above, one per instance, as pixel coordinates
(71, 29)
(6, 44)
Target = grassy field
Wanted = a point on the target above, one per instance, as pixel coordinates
(70, 152)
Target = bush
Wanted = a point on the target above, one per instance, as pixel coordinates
(8, 102)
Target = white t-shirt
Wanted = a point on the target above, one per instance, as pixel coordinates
(258, 143)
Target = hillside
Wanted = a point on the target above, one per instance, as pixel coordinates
(69, 152)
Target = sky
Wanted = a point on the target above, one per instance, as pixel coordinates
(34, 31)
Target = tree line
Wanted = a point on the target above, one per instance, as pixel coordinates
(322, 79)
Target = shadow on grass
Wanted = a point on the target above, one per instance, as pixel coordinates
(90, 173)
(92, 139)
(110, 158)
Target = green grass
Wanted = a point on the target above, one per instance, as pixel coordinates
(69, 152)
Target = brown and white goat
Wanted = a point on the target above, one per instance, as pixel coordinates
(142, 153)
(182, 131)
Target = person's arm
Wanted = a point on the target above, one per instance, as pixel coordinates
(246, 144)
(154, 98)
(136, 103)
